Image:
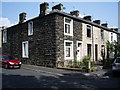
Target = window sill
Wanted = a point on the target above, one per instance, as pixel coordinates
(30, 35)
(68, 34)
(68, 58)
(25, 57)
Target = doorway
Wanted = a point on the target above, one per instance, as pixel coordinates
(78, 51)
(96, 52)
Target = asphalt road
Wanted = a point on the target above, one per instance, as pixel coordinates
(23, 78)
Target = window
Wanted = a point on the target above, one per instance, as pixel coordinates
(30, 28)
(102, 50)
(25, 49)
(89, 50)
(117, 60)
(102, 34)
(68, 26)
(88, 31)
(68, 50)
(111, 36)
(5, 36)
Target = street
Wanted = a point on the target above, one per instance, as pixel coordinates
(26, 78)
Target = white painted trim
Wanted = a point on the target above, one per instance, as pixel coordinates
(89, 42)
(71, 27)
(72, 52)
(27, 50)
(80, 50)
(96, 43)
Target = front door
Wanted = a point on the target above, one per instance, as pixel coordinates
(78, 51)
(96, 52)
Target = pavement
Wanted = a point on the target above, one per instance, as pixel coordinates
(62, 72)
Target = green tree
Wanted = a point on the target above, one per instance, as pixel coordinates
(116, 49)
(87, 63)
(108, 48)
(113, 47)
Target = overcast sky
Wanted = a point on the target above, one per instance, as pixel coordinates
(104, 11)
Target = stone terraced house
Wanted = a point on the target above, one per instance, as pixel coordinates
(55, 38)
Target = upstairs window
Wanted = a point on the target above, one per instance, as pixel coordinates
(5, 36)
(88, 31)
(30, 28)
(111, 36)
(68, 26)
(25, 49)
(102, 34)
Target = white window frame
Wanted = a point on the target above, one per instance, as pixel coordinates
(30, 28)
(71, 27)
(71, 50)
(25, 49)
(5, 36)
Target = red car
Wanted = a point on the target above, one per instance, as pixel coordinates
(9, 62)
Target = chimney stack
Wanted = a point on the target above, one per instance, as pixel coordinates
(58, 7)
(97, 21)
(87, 18)
(75, 13)
(114, 29)
(22, 17)
(44, 9)
(104, 24)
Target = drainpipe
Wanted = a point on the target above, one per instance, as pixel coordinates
(93, 43)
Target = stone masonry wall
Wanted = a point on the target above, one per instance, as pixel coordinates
(46, 45)
(60, 37)
(41, 43)
(96, 40)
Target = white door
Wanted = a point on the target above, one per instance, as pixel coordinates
(78, 51)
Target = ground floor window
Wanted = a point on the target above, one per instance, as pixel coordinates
(25, 49)
(89, 50)
(68, 50)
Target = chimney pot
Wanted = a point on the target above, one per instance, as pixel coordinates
(104, 24)
(58, 7)
(87, 18)
(75, 13)
(22, 17)
(97, 21)
(116, 29)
